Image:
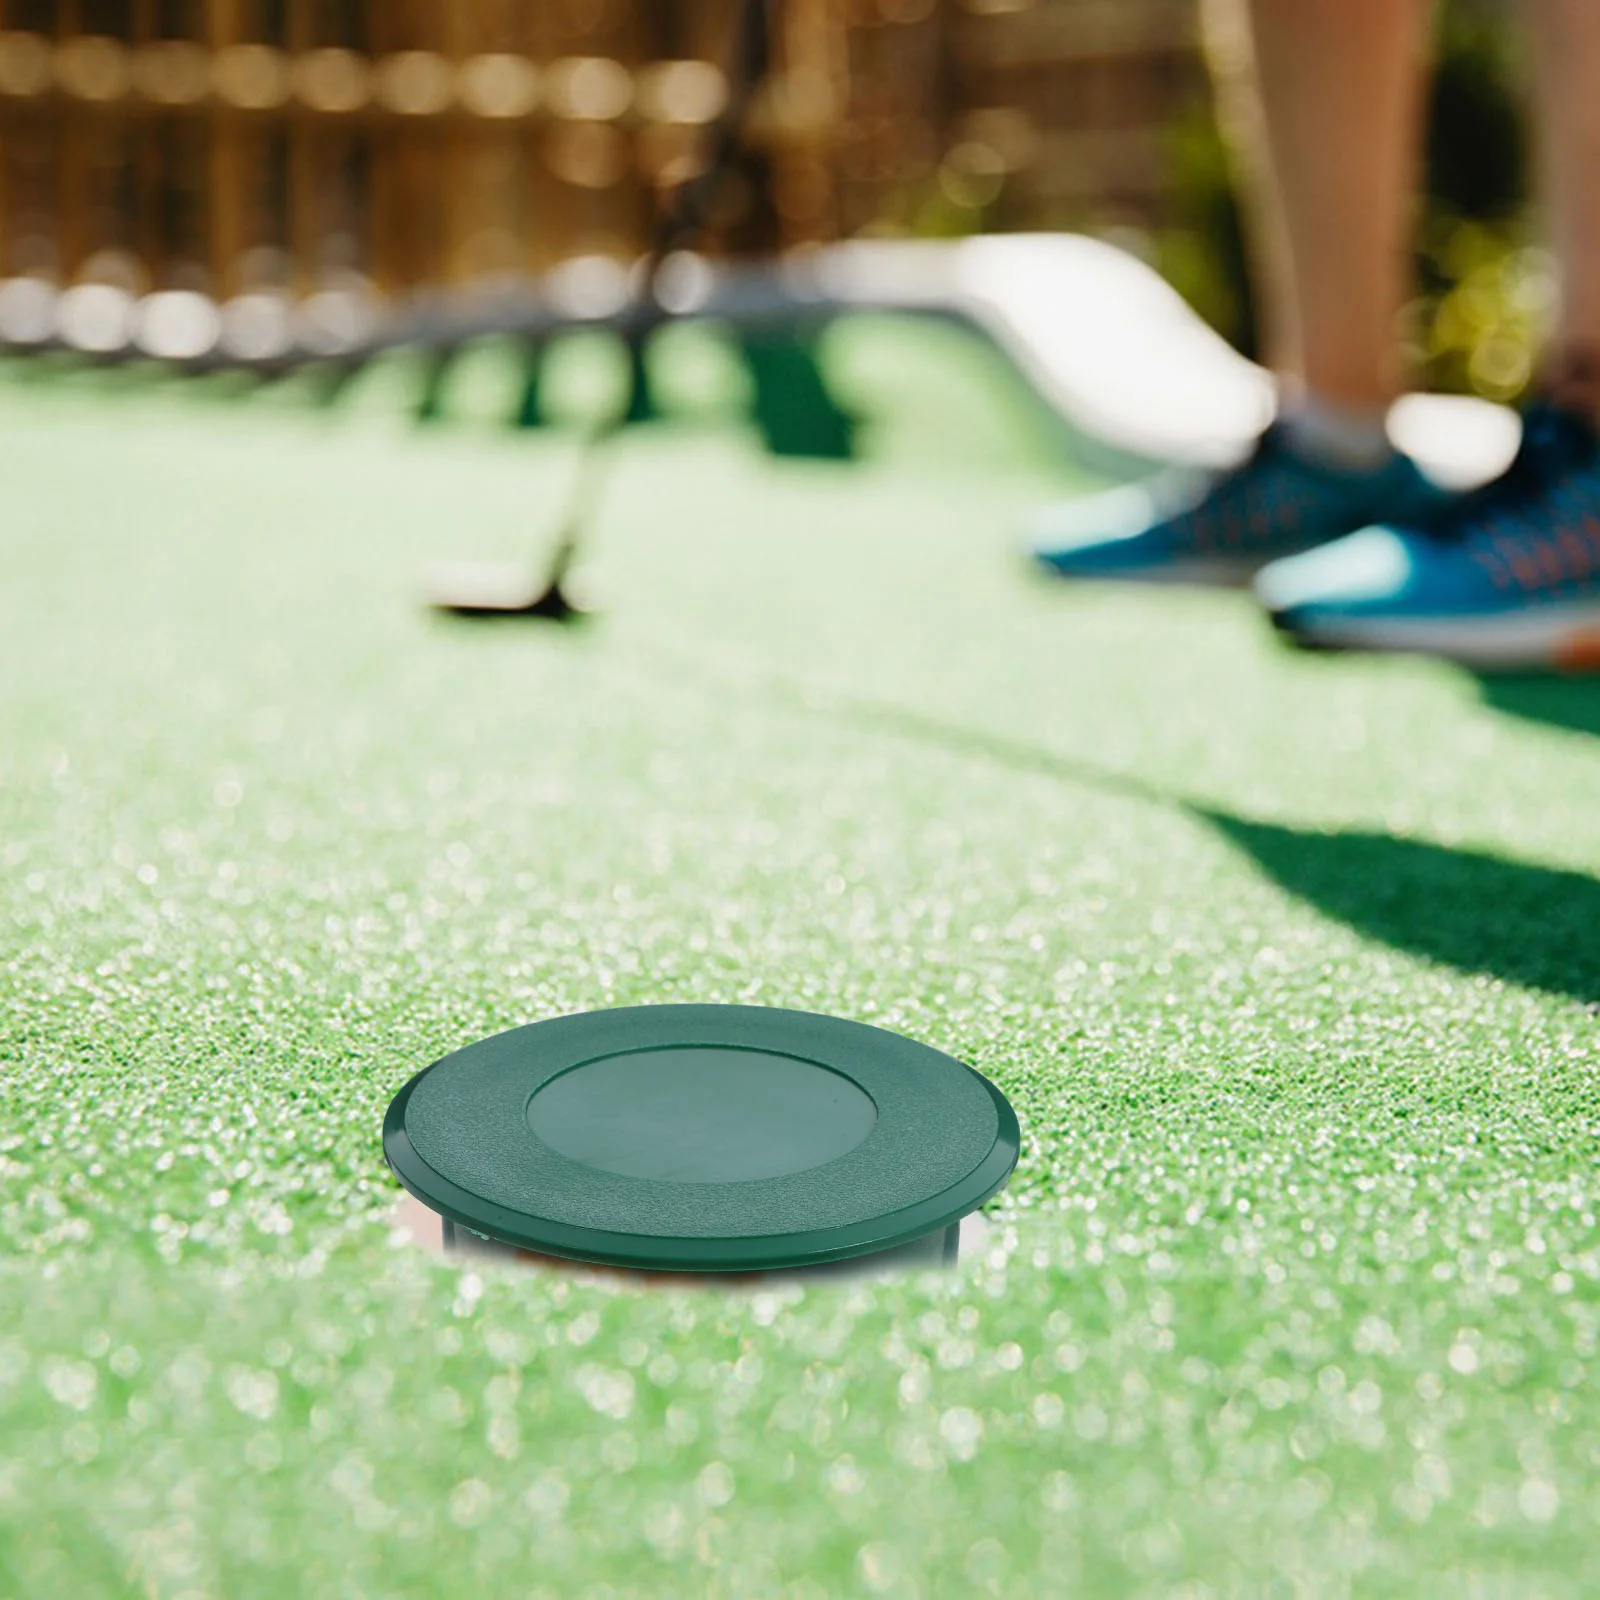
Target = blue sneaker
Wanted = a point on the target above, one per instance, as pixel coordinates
(1507, 578)
(1222, 528)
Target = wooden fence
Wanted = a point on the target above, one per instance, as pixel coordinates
(233, 145)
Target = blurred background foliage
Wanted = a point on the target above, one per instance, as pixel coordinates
(196, 148)
(1484, 285)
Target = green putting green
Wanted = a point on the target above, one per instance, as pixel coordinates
(1289, 965)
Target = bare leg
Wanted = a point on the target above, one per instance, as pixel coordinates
(1566, 37)
(1323, 98)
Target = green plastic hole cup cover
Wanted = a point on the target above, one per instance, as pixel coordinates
(699, 1138)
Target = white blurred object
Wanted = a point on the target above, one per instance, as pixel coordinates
(589, 286)
(257, 326)
(684, 282)
(494, 585)
(96, 318)
(177, 325)
(1463, 442)
(334, 320)
(1118, 352)
(27, 310)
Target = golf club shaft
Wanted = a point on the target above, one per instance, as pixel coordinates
(681, 219)
(589, 476)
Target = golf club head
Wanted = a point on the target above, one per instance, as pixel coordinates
(487, 591)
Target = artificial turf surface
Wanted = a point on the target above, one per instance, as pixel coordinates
(1290, 966)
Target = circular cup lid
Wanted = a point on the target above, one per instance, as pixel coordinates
(701, 1138)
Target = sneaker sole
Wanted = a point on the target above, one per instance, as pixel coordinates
(1564, 638)
(1222, 573)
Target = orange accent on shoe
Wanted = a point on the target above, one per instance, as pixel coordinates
(1523, 566)
(1579, 652)
(1490, 561)
(1591, 540)
(1575, 548)
(1546, 550)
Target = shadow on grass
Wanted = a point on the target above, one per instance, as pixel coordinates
(1571, 703)
(1531, 925)
(975, 743)
(1527, 924)
(1515, 920)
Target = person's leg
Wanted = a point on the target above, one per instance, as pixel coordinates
(1323, 98)
(1508, 577)
(1320, 99)
(1566, 38)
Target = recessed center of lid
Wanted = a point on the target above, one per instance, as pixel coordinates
(701, 1114)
